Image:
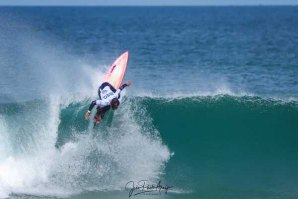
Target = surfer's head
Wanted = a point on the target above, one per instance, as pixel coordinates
(115, 103)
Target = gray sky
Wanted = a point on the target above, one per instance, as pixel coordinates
(148, 2)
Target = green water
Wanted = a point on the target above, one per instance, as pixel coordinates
(229, 146)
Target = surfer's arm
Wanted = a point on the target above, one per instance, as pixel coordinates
(93, 103)
(117, 94)
(123, 86)
(128, 83)
(87, 115)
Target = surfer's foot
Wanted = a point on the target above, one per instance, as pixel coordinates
(96, 119)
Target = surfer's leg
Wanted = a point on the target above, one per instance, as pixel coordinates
(97, 116)
(100, 113)
(97, 119)
(103, 85)
(99, 94)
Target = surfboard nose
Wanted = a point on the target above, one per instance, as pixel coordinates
(116, 71)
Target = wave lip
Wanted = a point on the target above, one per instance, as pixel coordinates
(214, 94)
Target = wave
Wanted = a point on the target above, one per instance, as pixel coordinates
(51, 150)
(219, 141)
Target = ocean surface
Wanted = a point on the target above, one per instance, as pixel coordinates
(212, 110)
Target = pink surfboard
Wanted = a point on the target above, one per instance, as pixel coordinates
(116, 71)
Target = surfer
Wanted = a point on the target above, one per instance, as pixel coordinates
(108, 98)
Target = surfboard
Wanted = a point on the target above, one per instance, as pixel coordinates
(116, 71)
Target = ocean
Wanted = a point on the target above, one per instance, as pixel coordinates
(212, 111)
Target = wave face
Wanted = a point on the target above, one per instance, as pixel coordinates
(215, 143)
(238, 146)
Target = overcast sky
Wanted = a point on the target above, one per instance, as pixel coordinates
(148, 2)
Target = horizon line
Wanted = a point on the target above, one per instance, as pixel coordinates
(137, 5)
